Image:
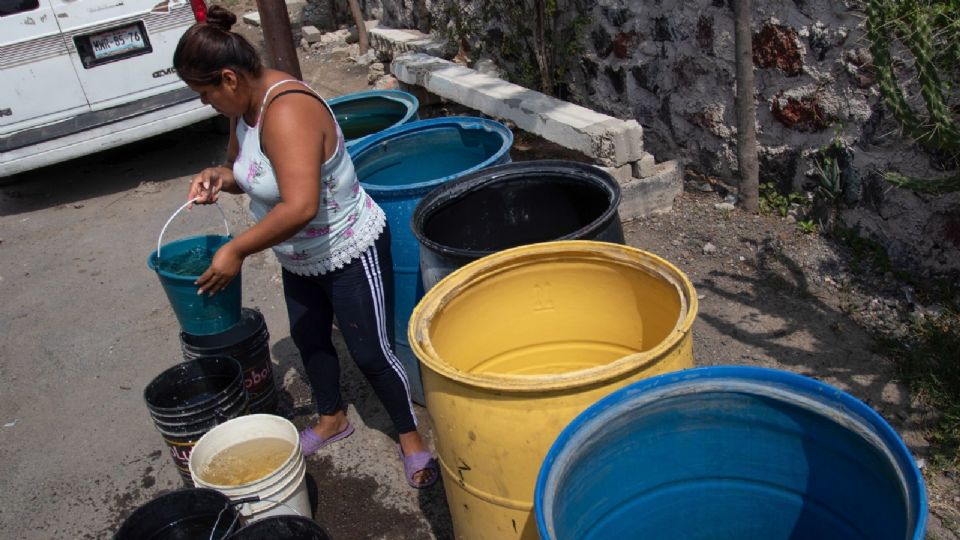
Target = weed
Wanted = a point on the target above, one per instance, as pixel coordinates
(867, 254)
(926, 359)
(807, 226)
(772, 201)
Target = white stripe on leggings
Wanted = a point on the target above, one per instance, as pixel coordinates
(375, 280)
(376, 285)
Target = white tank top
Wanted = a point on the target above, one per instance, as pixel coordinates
(347, 222)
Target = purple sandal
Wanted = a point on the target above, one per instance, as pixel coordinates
(310, 442)
(420, 461)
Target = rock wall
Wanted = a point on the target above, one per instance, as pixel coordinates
(670, 66)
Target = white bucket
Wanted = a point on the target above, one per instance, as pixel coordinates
(282, 492)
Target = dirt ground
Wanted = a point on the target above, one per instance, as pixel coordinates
(86, 327)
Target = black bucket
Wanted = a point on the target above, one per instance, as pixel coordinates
(190, 399)
(282, 528)
(185, 514)
(249, 343)
(511, 205)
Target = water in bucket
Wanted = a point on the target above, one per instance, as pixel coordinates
(192, 262)
(247, 461)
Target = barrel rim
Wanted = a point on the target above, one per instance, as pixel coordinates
(267, 521)
(441, 293)
(406, 98)
(175, 411)
(461, 122)
(481, 179)
(256, 318)
(410, 102)
(152, 261)
(747, 376)
(159, 500)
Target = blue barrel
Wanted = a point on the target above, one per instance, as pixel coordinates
(729, 452)
(400, 165)
(362, 114)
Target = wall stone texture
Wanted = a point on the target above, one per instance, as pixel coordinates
(670, 66)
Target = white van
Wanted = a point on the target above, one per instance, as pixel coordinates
(79, 76)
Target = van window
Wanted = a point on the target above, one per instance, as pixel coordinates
(12, 7)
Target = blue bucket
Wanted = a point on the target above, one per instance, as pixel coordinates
(198, 314)
(400, 165)
(362, 114)
(729, 452)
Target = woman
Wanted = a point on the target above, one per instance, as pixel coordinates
(287, 153)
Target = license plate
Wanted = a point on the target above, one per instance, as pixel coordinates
(117, 41)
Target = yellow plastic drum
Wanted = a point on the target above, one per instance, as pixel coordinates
(516, 344)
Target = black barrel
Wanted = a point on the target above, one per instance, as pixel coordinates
(191, 398)
(185, 514)
(512, 205)
(248, 342)
(282, 528)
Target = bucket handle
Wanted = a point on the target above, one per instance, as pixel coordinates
(186, 204)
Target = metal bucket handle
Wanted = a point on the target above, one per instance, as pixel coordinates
(186, 204)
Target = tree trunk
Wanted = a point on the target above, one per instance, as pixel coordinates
(361, 26)
(278, 37)
(746, 109)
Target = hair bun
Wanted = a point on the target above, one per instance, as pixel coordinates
(221, 17)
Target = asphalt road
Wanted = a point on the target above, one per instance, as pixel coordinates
(86, 326)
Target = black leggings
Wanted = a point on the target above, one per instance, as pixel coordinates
(361, 296)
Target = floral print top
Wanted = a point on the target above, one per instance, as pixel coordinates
(348, 221)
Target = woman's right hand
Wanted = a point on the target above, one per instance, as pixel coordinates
(206, 185)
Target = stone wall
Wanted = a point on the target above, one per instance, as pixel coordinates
(670, 66)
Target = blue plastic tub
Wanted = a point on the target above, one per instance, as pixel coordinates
(362, 114)
(400, 165)
(730, 452)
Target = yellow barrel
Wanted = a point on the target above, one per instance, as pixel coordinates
(516, 344)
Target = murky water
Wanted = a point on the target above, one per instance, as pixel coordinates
(190, 263)
(247, 461)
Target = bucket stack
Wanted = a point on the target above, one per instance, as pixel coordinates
(227, 371)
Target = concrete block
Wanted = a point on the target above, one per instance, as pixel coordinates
(610, 141)
(252, 18)
(392, 42)
(652, 194)
(311, 34)
(646, 166)
(295, 11)
(622, 174)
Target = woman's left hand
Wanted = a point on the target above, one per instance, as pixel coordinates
(224, 267)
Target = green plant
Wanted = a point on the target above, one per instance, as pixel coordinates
(827, 168)
(807, 226)
(535, 41)
(828, 178)
(926, 359)
(930, 31)
(772, 201)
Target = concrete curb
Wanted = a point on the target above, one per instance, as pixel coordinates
(611, 141)
(616, 145)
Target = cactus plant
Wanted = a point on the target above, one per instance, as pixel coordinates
(931, 33)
